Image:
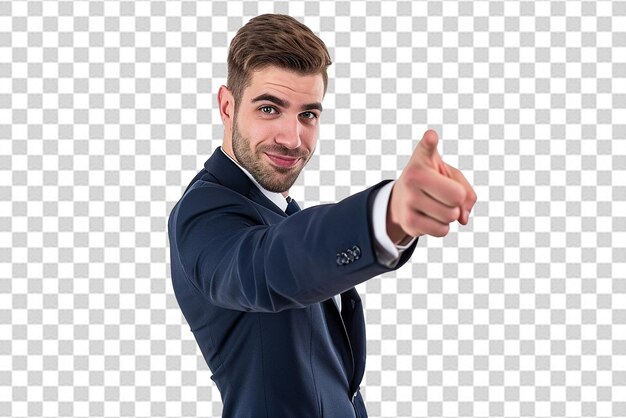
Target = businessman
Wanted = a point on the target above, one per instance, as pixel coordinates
(267, 288)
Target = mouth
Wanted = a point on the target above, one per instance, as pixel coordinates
(283, 161)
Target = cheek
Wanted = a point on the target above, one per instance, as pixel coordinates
(266, 132)
(261, 134)
(254, 133)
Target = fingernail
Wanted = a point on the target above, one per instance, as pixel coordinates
(466, 216)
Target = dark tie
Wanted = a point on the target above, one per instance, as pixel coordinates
(292, 206)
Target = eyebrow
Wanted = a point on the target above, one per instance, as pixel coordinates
(282, 103)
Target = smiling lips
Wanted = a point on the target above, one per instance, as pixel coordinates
(283, 161)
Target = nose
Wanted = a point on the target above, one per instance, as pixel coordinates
(289, 134)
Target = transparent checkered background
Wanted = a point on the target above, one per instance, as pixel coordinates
(108, 109)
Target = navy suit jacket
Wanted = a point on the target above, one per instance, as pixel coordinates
(256, 288)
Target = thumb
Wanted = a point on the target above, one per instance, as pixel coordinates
(428, 145)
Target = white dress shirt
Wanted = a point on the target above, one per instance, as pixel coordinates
(387, 252)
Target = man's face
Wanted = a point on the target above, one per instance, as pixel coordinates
(276, 126)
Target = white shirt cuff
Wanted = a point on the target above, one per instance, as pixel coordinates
(387, 252)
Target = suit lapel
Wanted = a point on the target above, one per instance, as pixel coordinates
(257, 196)
(226, 173)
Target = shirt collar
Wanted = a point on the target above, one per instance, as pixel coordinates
(277, 198)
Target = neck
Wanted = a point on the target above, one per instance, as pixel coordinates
(228, 149)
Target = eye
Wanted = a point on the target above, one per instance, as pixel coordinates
(308, 115)
(268, 110)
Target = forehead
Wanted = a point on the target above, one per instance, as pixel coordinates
(296, 88)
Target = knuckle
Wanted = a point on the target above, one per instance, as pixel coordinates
(407, 179)
(411, 178)
(473, 197)
(416, 174)
(458, 196)
(462, 195)
(453, 214)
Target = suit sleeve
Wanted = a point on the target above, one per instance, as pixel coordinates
(237, 261)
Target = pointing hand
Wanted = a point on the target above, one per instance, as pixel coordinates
(428, 195)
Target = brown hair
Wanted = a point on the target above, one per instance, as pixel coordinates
(274, 39)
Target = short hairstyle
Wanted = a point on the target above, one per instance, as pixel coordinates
(274, 40)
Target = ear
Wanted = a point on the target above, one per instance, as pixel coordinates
(226, 104)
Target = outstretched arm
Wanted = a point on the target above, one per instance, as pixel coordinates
(238, 259)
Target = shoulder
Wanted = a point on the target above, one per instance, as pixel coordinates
(205, 196)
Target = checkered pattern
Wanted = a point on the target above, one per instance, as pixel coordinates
(107, 110)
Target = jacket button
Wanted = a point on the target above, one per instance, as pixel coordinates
(356, 251)
(350, 255)
(342, 259)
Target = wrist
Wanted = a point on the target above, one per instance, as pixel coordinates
(397, 234)
(394, 230)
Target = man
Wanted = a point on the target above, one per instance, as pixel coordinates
(268, 289)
